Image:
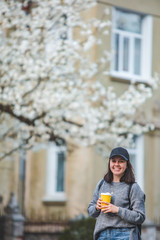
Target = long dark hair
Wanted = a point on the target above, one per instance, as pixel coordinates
(128, 176)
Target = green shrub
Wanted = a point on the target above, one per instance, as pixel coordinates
(79, 230)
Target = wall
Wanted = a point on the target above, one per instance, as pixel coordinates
(152, 169)
(145, 6)
(150, 111)
(35, 208)
(84, 168)
(9, 178)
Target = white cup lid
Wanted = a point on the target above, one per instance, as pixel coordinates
(107, 193)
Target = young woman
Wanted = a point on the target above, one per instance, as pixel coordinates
(120, 218)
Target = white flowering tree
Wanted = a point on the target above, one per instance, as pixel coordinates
(48, 80)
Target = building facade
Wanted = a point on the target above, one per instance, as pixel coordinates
(56, 182)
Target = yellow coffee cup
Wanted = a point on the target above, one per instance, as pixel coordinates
(106, 197)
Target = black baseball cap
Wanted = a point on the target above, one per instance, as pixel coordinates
(119, 151)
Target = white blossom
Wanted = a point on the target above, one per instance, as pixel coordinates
(49, 87)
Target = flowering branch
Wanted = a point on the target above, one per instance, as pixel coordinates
(50, 78)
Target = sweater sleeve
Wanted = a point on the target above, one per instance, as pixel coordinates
(92, 211)
(135, 215)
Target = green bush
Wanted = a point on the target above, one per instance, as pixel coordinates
(79, 230)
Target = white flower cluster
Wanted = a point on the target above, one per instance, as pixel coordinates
(48, 86)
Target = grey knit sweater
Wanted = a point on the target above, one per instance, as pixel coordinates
(125, 217)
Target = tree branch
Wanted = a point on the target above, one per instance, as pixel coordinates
(9, 110)
(15, 149)
(33, 89)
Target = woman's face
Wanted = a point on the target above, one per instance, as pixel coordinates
(118, 166)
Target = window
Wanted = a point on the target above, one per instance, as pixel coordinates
(55, 175)
(137, 160)
(131, 45)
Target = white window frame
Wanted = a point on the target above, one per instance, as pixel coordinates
(51, 194)
(138, 151)
(146, 50)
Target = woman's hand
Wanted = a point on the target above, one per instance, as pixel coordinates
(98, 205)
(109, 208)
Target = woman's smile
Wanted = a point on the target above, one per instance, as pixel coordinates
(118, 166)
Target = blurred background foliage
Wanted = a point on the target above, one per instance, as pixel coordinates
(79, 230)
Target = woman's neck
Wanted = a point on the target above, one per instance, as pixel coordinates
(116, 179)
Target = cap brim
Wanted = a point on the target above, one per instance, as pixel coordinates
(119, 155)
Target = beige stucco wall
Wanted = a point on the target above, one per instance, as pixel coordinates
(145, 6)
(35, 183)
(84, 169)
(152, 170)
(84, 166)
(9, 178)
(35, 208)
